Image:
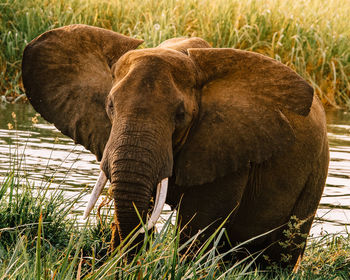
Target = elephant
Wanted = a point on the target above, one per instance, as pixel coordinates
(230, 133)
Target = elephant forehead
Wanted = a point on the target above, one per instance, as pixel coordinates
(156, 64)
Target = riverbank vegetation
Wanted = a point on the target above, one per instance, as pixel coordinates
(41, 237)
(310, 36)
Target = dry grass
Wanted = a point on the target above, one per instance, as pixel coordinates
(310, 36)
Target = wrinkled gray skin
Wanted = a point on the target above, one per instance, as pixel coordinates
(235, 132)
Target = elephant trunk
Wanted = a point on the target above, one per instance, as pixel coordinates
(138, 161)
(128, 195)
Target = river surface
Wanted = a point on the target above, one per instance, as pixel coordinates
(48, 156)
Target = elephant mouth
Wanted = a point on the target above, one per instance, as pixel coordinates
(162, 189)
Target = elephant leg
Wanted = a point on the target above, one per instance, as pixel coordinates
(290, 249)
(209, 204)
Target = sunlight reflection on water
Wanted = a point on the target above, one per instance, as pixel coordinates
(47, 155)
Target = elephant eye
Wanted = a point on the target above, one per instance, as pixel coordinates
(110, 108)
(180, 114)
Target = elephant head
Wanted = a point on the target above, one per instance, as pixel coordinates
(170, 111)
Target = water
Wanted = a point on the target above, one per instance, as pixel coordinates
(333, 214)
(46, 153)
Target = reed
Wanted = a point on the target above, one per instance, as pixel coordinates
(22, 205)
(38, 241)
(41, 239)
(312, 37)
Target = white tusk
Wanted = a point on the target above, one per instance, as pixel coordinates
(101, 182)
(162, 189)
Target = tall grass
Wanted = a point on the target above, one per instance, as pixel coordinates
(21, 205)
(43, 243)
(310, 36)
(35, 256)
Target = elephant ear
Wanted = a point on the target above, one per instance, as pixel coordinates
(67, 76)
(241, 120)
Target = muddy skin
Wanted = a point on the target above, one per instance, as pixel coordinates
(234, 131)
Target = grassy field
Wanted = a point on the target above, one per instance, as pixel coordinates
(40, 239)
(310, 36)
